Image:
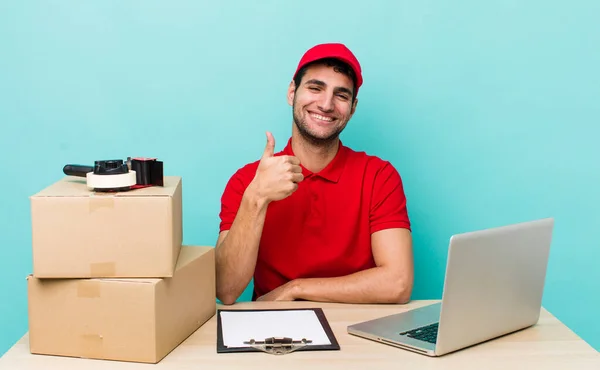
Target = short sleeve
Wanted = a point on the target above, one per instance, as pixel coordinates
(232, 198)
(388, 202)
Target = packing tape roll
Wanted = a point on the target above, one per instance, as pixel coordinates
(97, 202)
(102, 269)
(110, 181)
(88, 289)
(91, 346)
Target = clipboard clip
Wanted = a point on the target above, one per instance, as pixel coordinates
(278, 346)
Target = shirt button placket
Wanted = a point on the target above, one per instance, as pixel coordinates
(317, 204)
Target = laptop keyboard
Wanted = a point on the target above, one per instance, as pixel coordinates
(425, 333)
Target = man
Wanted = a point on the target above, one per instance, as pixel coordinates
(317, 221)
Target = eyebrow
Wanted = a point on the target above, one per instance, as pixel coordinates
(323, 84)
(316, 82)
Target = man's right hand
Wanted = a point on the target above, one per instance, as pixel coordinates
(276, 177)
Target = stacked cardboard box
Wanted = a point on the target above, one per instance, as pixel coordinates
(111, 279)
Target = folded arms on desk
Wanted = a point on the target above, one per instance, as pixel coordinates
(391, 281)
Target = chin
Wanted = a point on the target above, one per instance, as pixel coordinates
(320, 139)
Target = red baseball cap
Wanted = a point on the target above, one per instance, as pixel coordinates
(332, 50)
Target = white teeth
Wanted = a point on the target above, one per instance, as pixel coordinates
(322, 118)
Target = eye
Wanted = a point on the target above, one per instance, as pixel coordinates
(342, 96)
(313, 88)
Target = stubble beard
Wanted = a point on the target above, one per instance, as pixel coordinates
(310, 136)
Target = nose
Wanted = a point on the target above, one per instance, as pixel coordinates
(325, 104)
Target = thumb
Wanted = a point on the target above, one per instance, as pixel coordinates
(270, 148)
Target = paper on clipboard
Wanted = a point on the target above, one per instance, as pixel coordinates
(240, 326)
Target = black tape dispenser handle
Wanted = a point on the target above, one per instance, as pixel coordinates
(77, 170)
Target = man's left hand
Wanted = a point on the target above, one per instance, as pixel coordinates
(285, 292)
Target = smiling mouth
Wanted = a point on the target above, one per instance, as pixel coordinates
(321, 118)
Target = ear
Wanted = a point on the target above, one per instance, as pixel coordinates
(291, 93)
(354, 107)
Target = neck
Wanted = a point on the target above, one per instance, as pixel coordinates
(314, 157)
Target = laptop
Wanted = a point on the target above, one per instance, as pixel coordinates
(493, 286)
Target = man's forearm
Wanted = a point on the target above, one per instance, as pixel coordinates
(375, 285)
(237, 253)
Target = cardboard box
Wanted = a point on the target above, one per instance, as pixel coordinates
(78, 233)
(137, 320)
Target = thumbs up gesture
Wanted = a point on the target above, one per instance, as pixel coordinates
(276, 177)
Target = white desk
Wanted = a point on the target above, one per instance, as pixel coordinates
(548, 345)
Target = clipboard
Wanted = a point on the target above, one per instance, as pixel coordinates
(275, 343)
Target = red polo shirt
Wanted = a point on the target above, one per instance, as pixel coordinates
(324, 228)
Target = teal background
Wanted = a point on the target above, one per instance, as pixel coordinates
(489, 110)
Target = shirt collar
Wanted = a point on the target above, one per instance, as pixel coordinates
(332, 171)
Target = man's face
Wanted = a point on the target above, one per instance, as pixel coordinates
(322, 104)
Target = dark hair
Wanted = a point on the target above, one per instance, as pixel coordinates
(337, 65)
